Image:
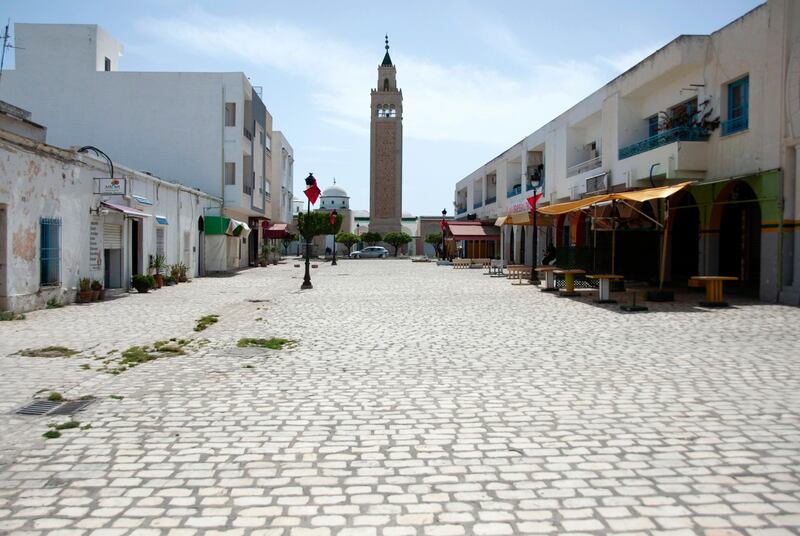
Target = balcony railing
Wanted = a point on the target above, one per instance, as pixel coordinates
(664, 138)
(477, 204)
(461, 209)
(490, 200)
(515, 190)
(592, 163)
(529, 187)
(733, 126)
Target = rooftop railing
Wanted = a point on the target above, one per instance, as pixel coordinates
(592, 163)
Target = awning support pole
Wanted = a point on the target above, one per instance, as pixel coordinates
(658, 223)
(664, 245)
(613, 237)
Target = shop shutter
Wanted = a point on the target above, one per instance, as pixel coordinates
(161, 248)
(112, 236)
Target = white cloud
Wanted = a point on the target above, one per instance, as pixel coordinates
(625, 60)
(460, 102)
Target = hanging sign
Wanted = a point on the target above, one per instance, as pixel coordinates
(109, 186)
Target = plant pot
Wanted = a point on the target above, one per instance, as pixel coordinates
(84, 296)
(183, 279)
(159, 280)
(95, 295)
(101, 294)
(142, 289)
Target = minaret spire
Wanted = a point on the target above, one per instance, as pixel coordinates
(386, 59)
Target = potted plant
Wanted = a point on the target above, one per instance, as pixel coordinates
(263, 258)
(182, 268)
(169, 280)
(141, 283)
(175, 272)
(276, 256)
(85, 290)
(97, 290)
(157, 264)
(151, 281)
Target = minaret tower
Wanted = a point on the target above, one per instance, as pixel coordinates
(386, 151)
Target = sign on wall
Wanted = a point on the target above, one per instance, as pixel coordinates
(109, 186)
(95, 253)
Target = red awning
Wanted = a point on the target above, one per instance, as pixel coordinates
(128, 211)
(470, 230)
(276, 230)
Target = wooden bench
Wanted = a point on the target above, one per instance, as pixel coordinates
(518, 271)
(496, 267)
(461, 263)
(483, 263)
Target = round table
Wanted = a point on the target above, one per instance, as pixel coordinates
(549, 278)
(714, 289)
(569, 280)
(604, 292)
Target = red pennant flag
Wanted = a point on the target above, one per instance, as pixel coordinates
(332, 218)
(532, 201)
(312, 193)
(442, 224)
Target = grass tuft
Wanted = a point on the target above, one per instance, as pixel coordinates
(55, 396)
(67, 425)
(51, 434)
(206, 321)
(273, 343)
(48, 351)
(53, 303)
(9, 316)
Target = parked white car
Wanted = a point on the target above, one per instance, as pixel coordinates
(379, 252)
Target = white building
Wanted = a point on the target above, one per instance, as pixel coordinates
(720, 109)
(63, 218)
(282, 177)
(207, 130)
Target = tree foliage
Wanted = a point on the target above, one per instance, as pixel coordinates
(311, 224)
(371, 238)
(348, 239)
(397, 240)
(435, 239)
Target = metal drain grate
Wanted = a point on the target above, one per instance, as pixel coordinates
(68, 408)
(38, 407)
(49, 407)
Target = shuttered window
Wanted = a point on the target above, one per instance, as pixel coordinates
(112, 236)
(161, 242)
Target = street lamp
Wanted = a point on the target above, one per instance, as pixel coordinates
(310, 181)
(536, 182)
(333, 228)
(444, 213)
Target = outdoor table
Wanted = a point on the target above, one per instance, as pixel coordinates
(604, 292)
(714, 289)
(569, 280)
(549, 278)
(518, 271)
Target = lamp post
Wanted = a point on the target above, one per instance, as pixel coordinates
(536, 182)
(444, 213)
(333, 228)
(310, 181)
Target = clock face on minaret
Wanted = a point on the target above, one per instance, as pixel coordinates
(386, 150)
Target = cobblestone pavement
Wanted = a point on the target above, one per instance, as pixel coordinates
(418, 400)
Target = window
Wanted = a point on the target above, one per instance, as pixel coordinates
(652, 125)
(50, 252)
(161, 242)
(738, 103)
(392, 111)
(107, 64)
(230, 114)
(230, 172)
(682, 115)
(386, 84)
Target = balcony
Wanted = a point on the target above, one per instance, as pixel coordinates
(490, 200)
(732, 126)
(588, 165)
(664, 138)
(515, 190)
(477, 204)
(461, 209)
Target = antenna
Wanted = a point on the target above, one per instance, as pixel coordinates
(6, 45)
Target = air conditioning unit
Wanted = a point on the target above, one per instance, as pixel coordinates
(597, 184)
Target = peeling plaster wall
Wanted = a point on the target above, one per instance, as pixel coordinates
(41, 181)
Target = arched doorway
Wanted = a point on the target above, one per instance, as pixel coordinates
(739, 217)
(201, 248)
(684, 237)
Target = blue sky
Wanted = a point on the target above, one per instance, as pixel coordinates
(476, 76)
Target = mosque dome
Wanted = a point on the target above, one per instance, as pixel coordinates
(334, 191)
(334, 197)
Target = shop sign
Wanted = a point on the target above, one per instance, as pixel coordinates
(95, 253)
(518, 207)
(109, 186)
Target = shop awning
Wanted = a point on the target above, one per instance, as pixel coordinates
(637, 196)
(128, 211)
(161, 220)
(473, 231)
(277, 231)
(142, 200)
(499, 222)
(238, 228)
(520, 218)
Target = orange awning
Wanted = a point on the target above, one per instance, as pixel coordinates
(569, 206)
(637, 196)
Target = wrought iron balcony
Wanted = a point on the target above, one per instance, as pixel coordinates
(664, 138)
(733, 126)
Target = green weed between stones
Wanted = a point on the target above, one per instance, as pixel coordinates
(55, 429)
(206, 321)
(136, 355)
(273, 344)
(117, 397)
(55, 396)
(51, 434)
(9, 316)
(48, 351)
(53, 303)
